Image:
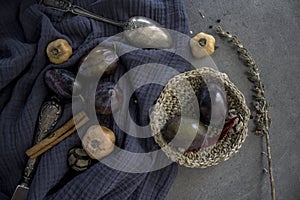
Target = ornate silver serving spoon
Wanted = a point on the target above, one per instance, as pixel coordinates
(49, 115)
(139, 31)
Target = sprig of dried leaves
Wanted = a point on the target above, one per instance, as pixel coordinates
(262, 119)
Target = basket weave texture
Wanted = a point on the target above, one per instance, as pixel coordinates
(168, 106)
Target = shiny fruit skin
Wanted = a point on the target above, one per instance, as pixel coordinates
(186, 130)
(100, 60)
(212, 104)
(108, 98)
(60, 81)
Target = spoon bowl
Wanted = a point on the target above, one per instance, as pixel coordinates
(141, 32)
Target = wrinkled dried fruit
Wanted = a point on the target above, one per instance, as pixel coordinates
(59, 51)
(108, 98)
(202, 45)
(60, 81)
(212, 104)
(98, 141)
(184, 128)
(100, 60)
(78, 159)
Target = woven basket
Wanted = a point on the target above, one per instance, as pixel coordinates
(167, 106)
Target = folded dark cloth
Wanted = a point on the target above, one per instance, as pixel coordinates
(25, 30)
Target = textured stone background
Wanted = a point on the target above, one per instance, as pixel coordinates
(270, 30)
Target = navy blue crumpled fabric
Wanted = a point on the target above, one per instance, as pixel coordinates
(25, 30)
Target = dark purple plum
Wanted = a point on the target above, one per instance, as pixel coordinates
(212, 104)
(108, 98)
(186, 130)
(61, 82)
(100, 60)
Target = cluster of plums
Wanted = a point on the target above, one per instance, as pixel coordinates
(100, 61)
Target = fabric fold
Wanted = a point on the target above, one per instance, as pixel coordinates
(23, 63)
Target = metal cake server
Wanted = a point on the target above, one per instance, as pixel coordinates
(49, 114)
(139, 31)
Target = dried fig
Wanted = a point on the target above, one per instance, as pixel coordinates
(59, 51)
(202, 45)
(98, 141)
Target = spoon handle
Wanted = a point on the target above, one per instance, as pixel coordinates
(80, 11)
(49, 115)
(67, 6)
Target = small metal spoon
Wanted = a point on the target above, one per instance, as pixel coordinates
(141, 32)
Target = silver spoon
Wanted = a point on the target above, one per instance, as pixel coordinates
(49, 115)
(141, 32)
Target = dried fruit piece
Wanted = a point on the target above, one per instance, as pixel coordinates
(98, 141)
(78, 159)
(212, 104)
(100, 60)
(202, 45)
(59, 51)
(61, 82)
(180, 130)
(108, 98)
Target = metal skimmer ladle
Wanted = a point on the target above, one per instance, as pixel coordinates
(139, 31)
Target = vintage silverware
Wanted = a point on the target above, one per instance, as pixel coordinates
(141, 32)
(76, 122)
(49, 114)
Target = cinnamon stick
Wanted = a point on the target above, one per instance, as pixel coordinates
(66, 130)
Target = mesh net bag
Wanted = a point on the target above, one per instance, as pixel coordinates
(167, 106)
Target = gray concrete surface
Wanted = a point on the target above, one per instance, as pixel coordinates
(270, 29)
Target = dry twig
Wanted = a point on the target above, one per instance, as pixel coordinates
(262, 119)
